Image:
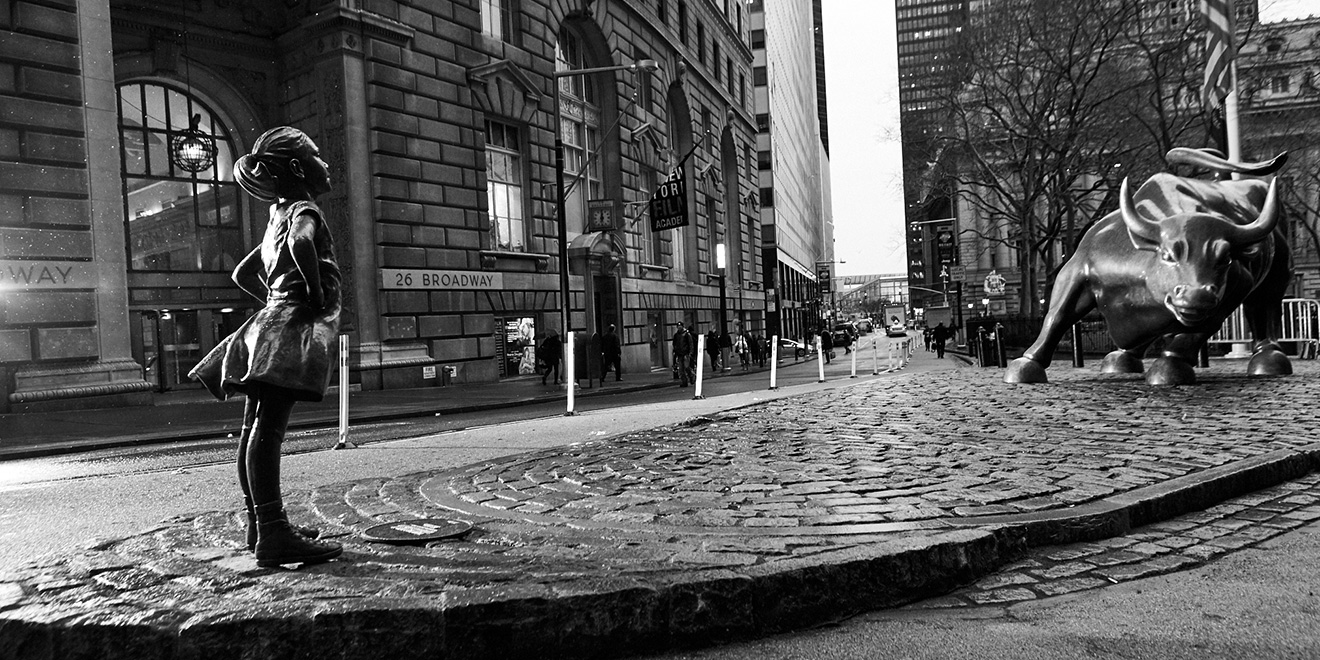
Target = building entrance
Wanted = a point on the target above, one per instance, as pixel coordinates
(169, 343)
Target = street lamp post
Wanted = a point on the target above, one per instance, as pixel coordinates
(561, 217)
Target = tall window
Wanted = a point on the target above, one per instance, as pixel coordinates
(504, 187)
(497, 19)
(648, 243)
(682, 22)
(177, 220)
(645, 99)
(579, 125)
(701, 44)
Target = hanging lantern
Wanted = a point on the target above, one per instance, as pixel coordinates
(193, 150)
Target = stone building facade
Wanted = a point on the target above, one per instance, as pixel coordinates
(438, 120)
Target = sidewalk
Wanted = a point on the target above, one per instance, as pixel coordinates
(195, 414)
(774, 516)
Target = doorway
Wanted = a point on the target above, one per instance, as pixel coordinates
(169, 343)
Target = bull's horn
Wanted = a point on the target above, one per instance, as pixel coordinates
(1211, 159)
(1264, 223)
(1138, 226)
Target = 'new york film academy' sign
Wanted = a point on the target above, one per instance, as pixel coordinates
(668, 208)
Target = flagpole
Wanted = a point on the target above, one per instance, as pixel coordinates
(1231, 129)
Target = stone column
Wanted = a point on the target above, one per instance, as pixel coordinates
(332, 44)
(71, 241)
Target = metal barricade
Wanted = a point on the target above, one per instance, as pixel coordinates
(989, 345)
(1299, 324)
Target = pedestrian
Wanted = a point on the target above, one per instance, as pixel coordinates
(940, 335)
(552, 351)
(713, 349)
(283, 353)
(682, 352)
(742, 348)
(611, 354)
(827, 346)
(757, 346)
(926, 337)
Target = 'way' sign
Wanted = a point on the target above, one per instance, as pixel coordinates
(46, 275)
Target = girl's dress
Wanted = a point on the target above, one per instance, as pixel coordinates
(287, 343)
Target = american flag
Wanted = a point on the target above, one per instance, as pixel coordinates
(1219, 51)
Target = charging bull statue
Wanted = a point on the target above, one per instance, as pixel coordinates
(1173, 262)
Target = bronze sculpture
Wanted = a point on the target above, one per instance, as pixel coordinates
(1173, 262)
(283, 353)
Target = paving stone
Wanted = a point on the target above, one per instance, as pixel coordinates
(1070, 552)
(1068, 569)
(1070, 585)
(1004, 579)
(1005, 595)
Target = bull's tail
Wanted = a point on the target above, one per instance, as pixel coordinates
(1213, 160)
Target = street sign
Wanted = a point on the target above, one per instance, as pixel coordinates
(824, 273)
(957, 272)
(669, 203)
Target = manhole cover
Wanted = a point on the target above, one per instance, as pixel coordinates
(416, 531)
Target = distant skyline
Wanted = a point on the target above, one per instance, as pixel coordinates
(866, 153)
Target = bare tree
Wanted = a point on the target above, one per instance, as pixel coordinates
(1049, 105)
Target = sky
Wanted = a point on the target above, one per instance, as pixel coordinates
(861, 74)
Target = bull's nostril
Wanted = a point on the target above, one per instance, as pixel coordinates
(1179, 290)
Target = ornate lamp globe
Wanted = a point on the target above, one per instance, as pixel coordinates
(193, 150)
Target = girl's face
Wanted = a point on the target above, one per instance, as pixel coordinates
(317, 171)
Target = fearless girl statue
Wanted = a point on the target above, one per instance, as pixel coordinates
(282, 354)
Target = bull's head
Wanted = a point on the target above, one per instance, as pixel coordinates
(1195, 253)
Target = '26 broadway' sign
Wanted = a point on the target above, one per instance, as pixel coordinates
(439, 280)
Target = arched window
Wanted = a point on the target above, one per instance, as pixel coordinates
(579, 124)
(176, 220)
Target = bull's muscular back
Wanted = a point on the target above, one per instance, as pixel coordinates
(1165, 195)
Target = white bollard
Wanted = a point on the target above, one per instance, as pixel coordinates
(820, 360)
(570, 377)
(875, 357)
(701, 350)
(855, 348)
(774, 361)
(343, 394)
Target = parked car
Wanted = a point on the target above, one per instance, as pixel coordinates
(863, 326)
(798, 349)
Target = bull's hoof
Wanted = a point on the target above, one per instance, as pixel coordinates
(1269, 362)
(1121, 362)
(1170, 371)
(1025, 370)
